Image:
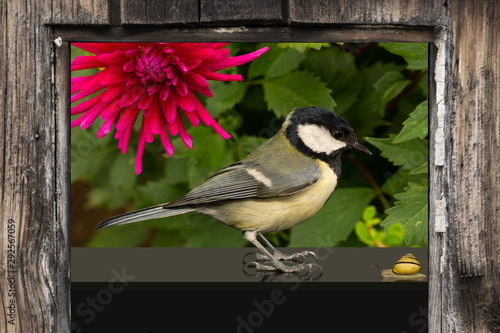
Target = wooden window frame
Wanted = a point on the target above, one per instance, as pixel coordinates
(464, 98)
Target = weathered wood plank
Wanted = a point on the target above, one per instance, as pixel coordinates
(31, 296)
(475, 171)
(414, 12)
(78, 12)
(242, 12)
(159, 12)
(248, 34)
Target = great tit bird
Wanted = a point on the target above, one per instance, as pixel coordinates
(280, 184)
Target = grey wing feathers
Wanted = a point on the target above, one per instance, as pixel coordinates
(149, 213)
(235, 182)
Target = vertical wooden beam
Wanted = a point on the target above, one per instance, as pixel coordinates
(34, 260)
(474, 284)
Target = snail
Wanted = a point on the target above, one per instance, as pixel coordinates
(405, 269)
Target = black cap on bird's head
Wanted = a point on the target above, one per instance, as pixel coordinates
(320, 133)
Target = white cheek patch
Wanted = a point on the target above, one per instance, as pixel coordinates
(318, 139)
(260, 177)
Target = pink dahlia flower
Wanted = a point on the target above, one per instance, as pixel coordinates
(158, 79)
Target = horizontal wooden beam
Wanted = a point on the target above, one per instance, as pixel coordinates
(354, 34)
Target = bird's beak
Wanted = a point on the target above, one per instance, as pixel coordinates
(360, 147)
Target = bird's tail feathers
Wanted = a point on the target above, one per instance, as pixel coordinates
(154, 212)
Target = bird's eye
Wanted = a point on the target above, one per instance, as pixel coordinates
(338, 135)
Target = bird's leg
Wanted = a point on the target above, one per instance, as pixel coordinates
(298, 256)
(276, 264)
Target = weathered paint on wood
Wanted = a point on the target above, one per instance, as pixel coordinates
(464, 121)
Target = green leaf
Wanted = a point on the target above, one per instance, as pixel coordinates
(126, 235)
(411, 211)
(208, 232)
(226, 96)
(296, 89)
(395, 235)
(424, 168)
(247, 144)
(335, 221)
(373, 221)
(301, 47)
(417, 124)
(388, 87)
(338, 70)
(362, 232)
(396, 182)
(107, 197)
(369, 212)
(122, 172)
(415, 54)
(275, 62)
(409, 154)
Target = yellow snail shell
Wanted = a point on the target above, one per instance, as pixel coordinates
(406, 269)
(407, 265)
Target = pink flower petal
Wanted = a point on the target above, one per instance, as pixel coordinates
(146, 129)
(204, 53)
(209, 75)
(115, 76)
(112, 92)
(132, 95)
(91, 82)
(118, 57)
(169, 148)
(76, 83)
(195, 79)
(191, 63)
(124, 137)
(86, 62)
(75, 110)
(193, 119)
(169, 108)
(92, 115)
(107, 126)
(185, 102)
(84, 106)
(172, 127)
(145, 101)
(181, 88)
(129, 115)
(220, 130)
(164, 91)
(202, 90)
(96, 48)
(202, 113)
(140, 151)
(239, 60)
(83, 94)
(186, 138)
(112, 109)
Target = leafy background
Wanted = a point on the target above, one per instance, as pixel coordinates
(381, 200)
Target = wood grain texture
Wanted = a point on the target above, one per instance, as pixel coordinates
(38, 283)
(159, 12)
(242, 12)
(464, 278)
(247, 34)
(475, 171)
(82, 12)
(399, 12)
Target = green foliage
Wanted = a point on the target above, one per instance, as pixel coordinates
(415, 54)
(411, 211)
(334, 222)
(296, 89)
(381, 90)
(367, 232)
